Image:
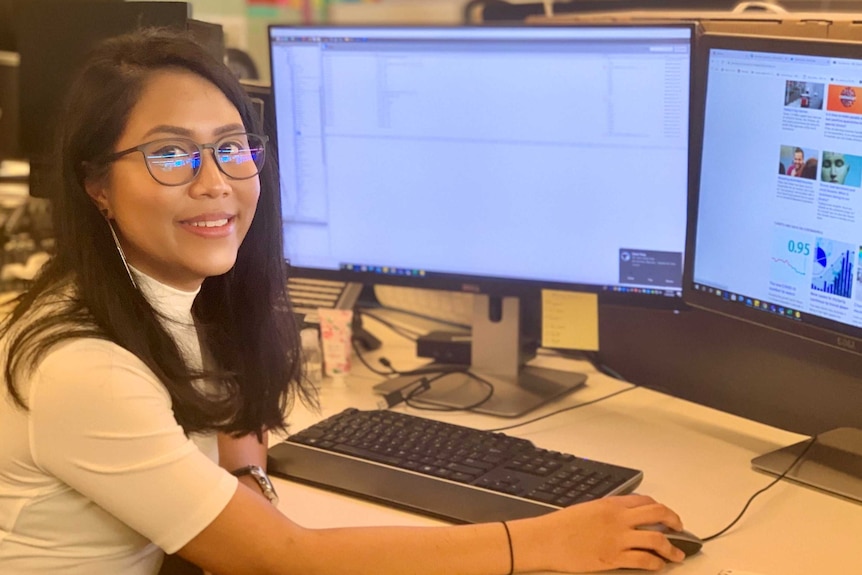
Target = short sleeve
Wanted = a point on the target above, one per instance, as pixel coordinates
(102, 423)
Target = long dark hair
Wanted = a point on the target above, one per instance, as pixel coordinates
(244, 315)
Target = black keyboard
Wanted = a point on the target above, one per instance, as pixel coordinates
(440, 469)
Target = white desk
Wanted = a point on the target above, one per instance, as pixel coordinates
(695, 459)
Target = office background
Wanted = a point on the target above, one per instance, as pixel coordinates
(716, 361)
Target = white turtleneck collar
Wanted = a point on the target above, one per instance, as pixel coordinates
(173, 303)
(175, 307)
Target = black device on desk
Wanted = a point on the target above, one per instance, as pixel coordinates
(775, 237)
(449, 471)
(494, 160)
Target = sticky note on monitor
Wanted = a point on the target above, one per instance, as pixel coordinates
(570, 320)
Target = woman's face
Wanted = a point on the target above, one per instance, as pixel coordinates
(179, 235)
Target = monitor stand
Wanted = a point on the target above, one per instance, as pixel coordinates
(497, 357)
(833, 464)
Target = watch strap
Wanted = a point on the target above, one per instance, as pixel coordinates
(261, 478)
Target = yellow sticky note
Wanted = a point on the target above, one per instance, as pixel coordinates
(570, 320)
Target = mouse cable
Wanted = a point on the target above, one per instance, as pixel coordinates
(773, 482)
(565, 409)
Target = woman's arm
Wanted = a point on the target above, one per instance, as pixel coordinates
(254, 538)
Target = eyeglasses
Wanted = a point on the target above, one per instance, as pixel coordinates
(177, 161)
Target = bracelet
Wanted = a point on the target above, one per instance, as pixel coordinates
(511, 551)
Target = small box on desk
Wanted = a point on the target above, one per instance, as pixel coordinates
(445, 347)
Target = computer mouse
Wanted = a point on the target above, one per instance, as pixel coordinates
(685, 541)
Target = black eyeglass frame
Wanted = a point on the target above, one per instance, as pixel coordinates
(212, 146)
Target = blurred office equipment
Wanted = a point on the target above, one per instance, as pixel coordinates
(802, 19)
(9, 146)
(241, 64)
(478, 11)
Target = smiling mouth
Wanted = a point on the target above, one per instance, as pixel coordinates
(210, 223)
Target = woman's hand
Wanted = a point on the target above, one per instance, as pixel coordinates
(596, 536)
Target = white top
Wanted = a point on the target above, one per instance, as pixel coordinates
(98, 477)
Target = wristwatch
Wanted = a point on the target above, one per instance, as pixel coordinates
(262, 480)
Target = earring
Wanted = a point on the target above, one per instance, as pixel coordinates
(120, 249)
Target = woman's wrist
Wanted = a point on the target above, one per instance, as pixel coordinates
(530, 552)
(260, 481)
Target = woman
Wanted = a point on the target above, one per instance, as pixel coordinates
(169, 243)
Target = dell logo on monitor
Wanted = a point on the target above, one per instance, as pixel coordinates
(846, 343)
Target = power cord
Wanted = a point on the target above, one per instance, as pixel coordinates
(430, 407)
(757, 493)
(591, 356)
(393, 398)
(564, 409)
(419, 386)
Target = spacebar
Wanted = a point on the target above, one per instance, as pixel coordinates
(365, 454)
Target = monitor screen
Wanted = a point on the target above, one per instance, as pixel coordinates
(776, 234)
(486, 159)
(491, 160)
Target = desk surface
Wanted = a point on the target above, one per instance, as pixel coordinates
(695, 459)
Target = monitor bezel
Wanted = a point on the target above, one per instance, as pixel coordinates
(813, 328)
(500, 286)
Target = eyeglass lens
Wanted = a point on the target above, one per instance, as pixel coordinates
(177, 161)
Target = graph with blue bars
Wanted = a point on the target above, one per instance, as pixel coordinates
(833, 267)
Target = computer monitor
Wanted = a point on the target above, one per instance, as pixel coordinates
(10, 24)
(775, 234)
(493, 160)
(54, 37)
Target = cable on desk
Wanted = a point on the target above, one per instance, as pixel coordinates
(430, 407)
(591, 356)
(596, 361)
(423, 384)
(774, 481)
(565, 409)
(396, 396)
(392, 371)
